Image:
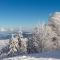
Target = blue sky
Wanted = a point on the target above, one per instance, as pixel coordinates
(26, 13)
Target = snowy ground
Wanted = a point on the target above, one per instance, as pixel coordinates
(31, 58)
(37, 56)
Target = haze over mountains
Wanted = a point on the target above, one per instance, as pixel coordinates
(4, 29)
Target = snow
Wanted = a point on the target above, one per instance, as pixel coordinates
(3, 43)
(54, 55)
(30, 57)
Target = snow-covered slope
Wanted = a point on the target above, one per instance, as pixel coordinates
(54, 55)
(29, 58)
(34, 57)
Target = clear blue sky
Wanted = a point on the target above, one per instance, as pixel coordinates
(26, 13)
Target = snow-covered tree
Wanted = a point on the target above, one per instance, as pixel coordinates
(17, 45)
(54, 23)
(47, 36)
(38, 36)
